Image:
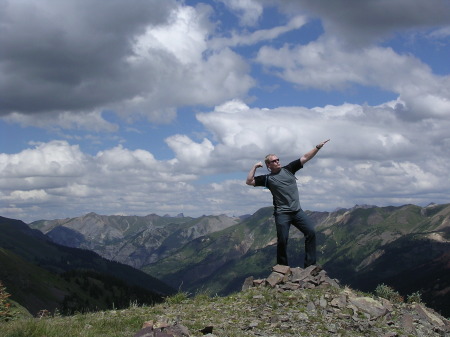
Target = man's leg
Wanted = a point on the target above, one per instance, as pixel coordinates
(305, 225)
(282, 222)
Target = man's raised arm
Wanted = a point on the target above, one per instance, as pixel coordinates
(309, 155)
(251, 174)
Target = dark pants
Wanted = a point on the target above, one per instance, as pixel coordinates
(303, 223)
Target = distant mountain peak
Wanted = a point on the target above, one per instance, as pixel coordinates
(91, 214)
(363, 206)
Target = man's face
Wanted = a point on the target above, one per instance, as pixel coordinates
(274, 164)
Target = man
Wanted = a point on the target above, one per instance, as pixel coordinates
(282, 184)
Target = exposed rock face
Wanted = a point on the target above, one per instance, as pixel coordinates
(133, 240)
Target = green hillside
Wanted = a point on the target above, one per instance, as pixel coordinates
(202, 260)
(405, 247)
(44, 275)
(33, 287)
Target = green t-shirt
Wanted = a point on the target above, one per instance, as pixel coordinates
(283, 186)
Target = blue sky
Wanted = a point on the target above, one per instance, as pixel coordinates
(164, 106)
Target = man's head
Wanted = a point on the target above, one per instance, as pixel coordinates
(272, 163)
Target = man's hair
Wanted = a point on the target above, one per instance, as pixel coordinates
(267, 160)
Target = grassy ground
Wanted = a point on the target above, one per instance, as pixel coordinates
(254, 312)
(230, 316)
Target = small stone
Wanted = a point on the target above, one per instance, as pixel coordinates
(258, 282)
(253, 324)
(285, 326)
(299, 274)
(274, 319)
(282, 269)
(312, 280)
(332, 328)
(274, 278)
(146, 332)
(309, 285)
(323, 302)
(311, 307)
(284, 318)
(178, 330)
(248, 283)
(314, 270)
(406, 322)
(339, 302)
(390, 334)
(329, 282)
(291, 286)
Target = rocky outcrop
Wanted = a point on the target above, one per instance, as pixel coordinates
(415, 319)
(286, 278)
(298, 302)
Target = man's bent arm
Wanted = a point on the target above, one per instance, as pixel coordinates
(251, 174)
(310, 155)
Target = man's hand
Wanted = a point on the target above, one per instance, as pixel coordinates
(319, 146)
(308, 156)
(258, 164)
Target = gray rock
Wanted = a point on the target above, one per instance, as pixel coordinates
(285, 270)
(248, 283)
(311, 307)
(407, 323)
(275, 278)
(373, 307)
(429, 315)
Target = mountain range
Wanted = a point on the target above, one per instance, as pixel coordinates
(406, 247)
(133, 240)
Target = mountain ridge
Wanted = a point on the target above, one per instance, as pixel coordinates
(351, 243)
(121, 238)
